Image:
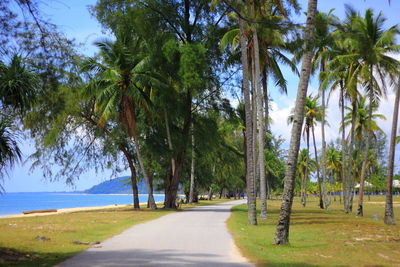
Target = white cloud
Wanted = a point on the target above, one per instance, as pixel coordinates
(279, 115)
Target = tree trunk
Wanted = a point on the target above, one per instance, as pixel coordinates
(172, 190)
(135, 192)
(323, 169)
(266, 107)
(351, 161)
(250, 183)
(321, 202)
(210, 193)
(192, 170)
(360, 211)
(389, 214)
(282, 229)
(169, 140)
(260, 119)
(151, 201)
(345, 179)
(151, 179)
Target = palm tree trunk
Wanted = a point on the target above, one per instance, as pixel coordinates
(259, 115)
(366, 149)
(266, 107)
(321, 202)
(345, 178)
(135, 191)
(282, 229)
(306, 173)
(324, 188)
(192, 170)
(251, 200)
(351, 161)
(389, 214)
(151, 201)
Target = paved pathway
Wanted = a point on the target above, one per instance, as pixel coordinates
(194, 237)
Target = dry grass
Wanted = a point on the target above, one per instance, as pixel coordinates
(321, 238)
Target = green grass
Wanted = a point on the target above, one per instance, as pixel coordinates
(321, 238)
(18, 235)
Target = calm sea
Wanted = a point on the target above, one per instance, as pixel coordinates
(15, 203)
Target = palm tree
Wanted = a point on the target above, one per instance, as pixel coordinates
(312, 114)
(334, 163)
(324, 42)
(389, 214)
(18, 85)
(365, 124)
(304, 167)
(282, 229)
(10, 153)
(250, 180)
(370, 47)
(18, 88)
(118, 85)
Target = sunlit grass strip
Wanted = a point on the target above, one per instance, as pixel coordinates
(321, 238)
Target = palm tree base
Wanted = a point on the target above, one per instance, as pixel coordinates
(360, 212)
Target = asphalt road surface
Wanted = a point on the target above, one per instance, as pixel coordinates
(194, 237)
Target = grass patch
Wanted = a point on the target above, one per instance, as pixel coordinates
(22, 242)
(321, 238)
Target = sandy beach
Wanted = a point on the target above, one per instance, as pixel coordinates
(68, 210)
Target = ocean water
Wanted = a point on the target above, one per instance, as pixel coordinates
(16, 203)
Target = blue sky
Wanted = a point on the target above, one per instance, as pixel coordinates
(73, 18)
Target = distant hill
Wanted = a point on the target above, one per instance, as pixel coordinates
(120, 185)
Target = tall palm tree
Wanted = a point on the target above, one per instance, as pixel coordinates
(324, 41)
(371, 44)
(312, 114)
(282, 229)
(250, 180)
(119, 87)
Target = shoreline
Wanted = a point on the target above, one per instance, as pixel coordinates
(70, 210)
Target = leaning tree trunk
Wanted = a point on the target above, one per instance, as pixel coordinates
(360, 211)
(135, 191)
(323, 165)
(128, 119)
(192, 171)
(389, 214)
(250, 181)
(282, 229)
(321, 202)
(260, 119)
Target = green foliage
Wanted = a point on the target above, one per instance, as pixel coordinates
(192, 65)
